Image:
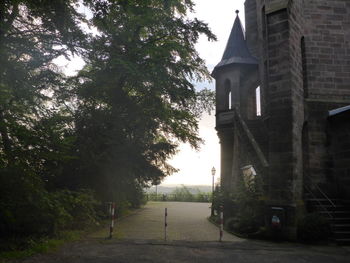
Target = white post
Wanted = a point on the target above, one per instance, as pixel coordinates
(165, 223)
(221, 223)
(112, 221)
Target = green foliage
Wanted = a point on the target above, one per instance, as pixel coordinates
(136, 101)
(31, 247)
(218, 199)
(244, 208)
(35, 212)
(181, 194)
(313, 228)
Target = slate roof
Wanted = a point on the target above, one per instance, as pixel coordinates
(236, 51)
(338, 111)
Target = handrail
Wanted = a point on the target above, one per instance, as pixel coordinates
(325, 209)
(237, 118)
(323, 193)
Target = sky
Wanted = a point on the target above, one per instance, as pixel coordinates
(195, 166)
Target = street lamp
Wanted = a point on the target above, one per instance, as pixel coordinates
(212, 190)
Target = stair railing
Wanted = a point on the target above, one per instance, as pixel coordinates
(325, 196)
(317, 199)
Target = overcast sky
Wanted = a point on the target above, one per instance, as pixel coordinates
(195, 167)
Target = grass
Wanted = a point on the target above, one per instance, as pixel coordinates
(46, 245)
(43, 245)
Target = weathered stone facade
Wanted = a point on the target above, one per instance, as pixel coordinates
(299, 56)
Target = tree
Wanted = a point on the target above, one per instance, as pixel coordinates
(35, 131)
(113, 127)
(136, 97)
(32, 120)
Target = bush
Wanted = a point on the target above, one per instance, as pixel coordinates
(28, 210)
(218, 199)
(136, 196)
(246, 223)
(25, 206)
(244, 208)
(313, 227)
(74, 209)
(181, 194)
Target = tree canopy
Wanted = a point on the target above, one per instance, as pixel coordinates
(113, 127)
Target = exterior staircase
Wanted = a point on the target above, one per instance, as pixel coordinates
(338, 213)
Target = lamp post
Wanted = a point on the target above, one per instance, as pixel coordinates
(212, 190)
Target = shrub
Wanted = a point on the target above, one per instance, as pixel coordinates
(244, 208)
(218, 199)
(313, 227)
(245, 223)
(27, 209)
(74, 209)
(181, 194)
(25, 205)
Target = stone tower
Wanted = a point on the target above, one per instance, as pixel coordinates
(280, 88)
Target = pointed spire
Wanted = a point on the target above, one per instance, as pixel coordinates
(236, 51)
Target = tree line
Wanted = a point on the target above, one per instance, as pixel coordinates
(68, 143)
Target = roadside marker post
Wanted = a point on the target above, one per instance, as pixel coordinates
(221, 223)
(112, 220)
(165, 223)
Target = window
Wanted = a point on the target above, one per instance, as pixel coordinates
(258, 101)
(304, 67)
(264, 27)
(228, 95)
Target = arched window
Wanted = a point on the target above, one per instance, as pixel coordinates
(230, 100)
(304, 67)
(228, 95)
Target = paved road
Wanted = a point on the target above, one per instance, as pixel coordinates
(188, 252)
(186, 221)
(139, 239)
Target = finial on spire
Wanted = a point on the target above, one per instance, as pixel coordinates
(237, 11)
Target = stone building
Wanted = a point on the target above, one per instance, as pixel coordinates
(282, 105)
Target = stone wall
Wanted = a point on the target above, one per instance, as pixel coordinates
(327, 47)
(279, 104)
(327, 43)
(251, 26)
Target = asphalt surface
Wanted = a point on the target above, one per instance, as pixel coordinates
(186, 221)
(139, 238)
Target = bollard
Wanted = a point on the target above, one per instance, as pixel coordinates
(165, 223)
(112, 221)
(109, 208)
(221, 223)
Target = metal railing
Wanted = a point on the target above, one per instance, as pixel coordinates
(317, 199)
(201, 198)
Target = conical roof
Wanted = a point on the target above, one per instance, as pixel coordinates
(236, 51)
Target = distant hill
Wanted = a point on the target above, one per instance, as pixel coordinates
(166, 189)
